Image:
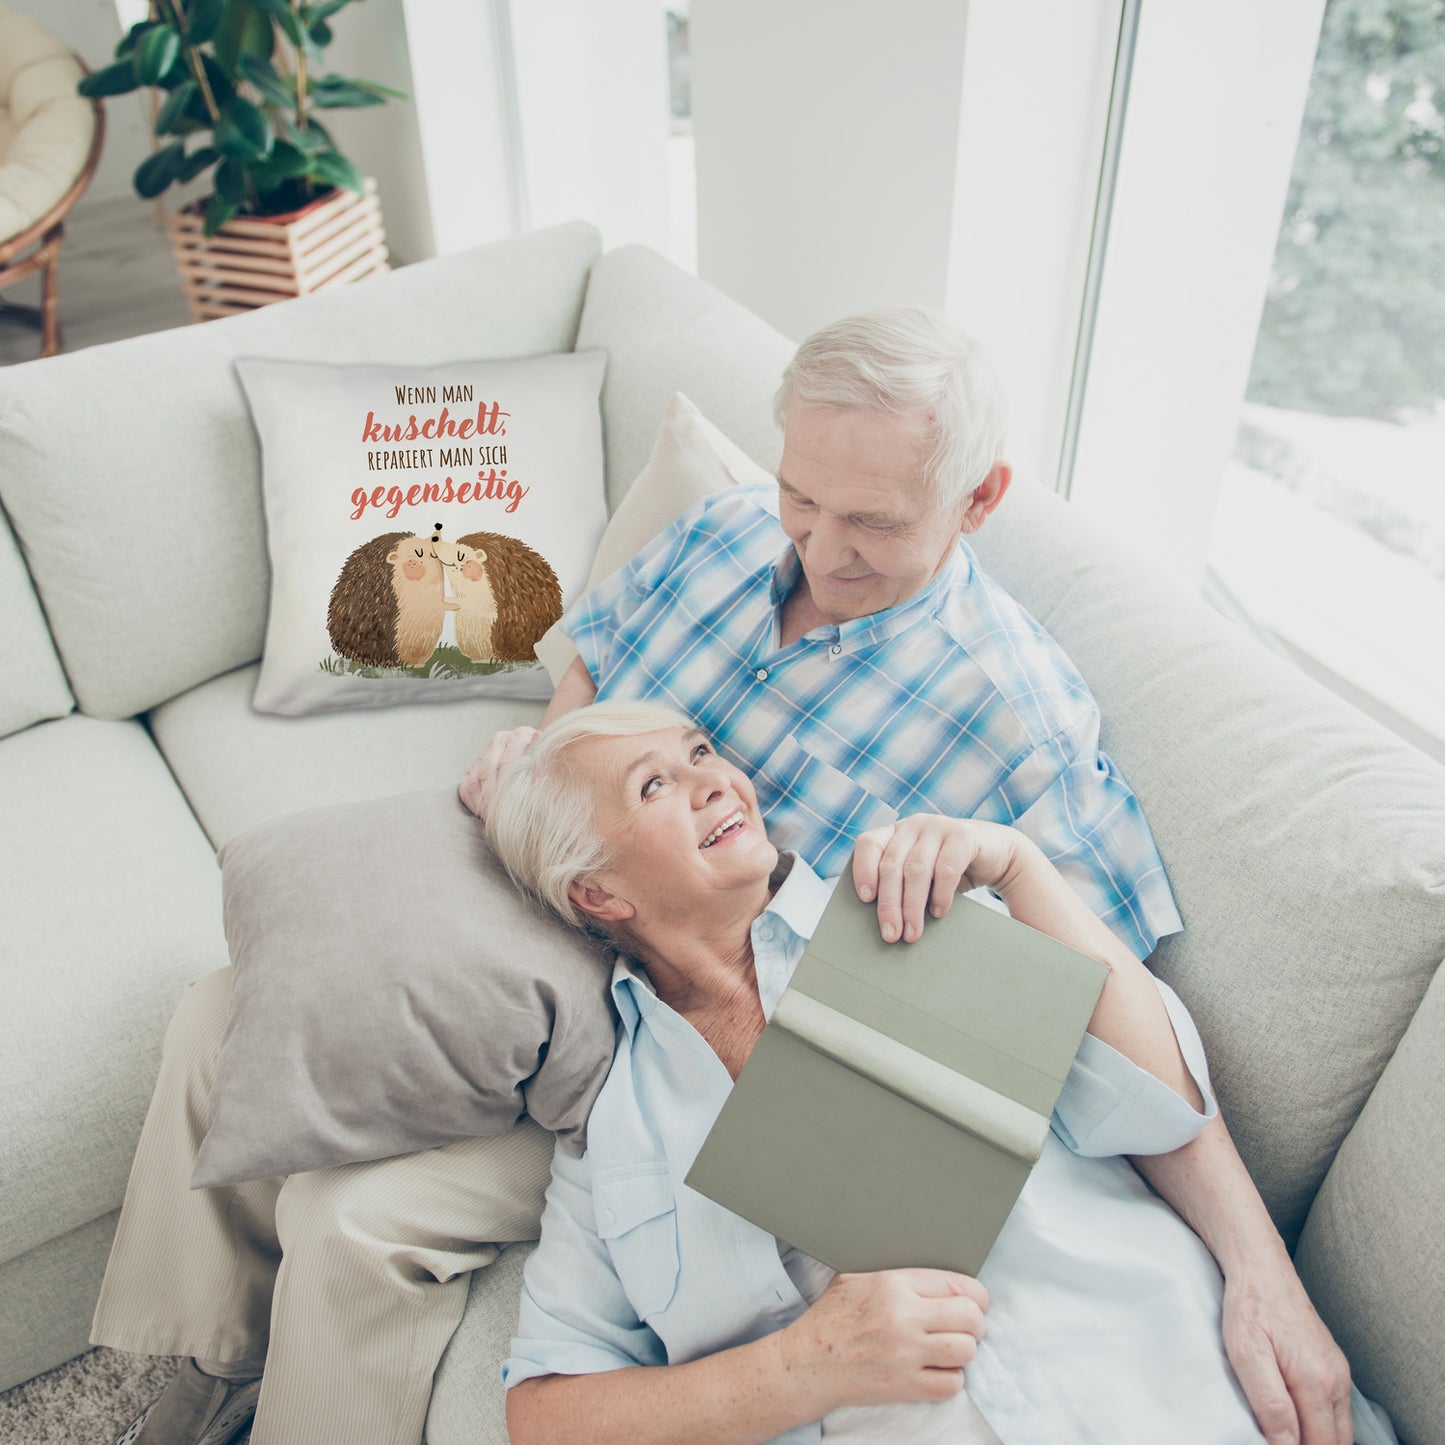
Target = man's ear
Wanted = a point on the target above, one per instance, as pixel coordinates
(986, 496)
(595, 901)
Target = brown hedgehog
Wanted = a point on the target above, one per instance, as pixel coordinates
(387, 606)
(525, 593)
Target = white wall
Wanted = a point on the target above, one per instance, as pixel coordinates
(827, 146)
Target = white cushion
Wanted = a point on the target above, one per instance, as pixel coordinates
(140, 513)
(370, 605)
(239, 767)
(110, 906)
(664, 331)
(691, 459)
(32, 684)
(45, 140)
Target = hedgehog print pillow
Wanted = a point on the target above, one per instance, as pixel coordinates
(426, 525)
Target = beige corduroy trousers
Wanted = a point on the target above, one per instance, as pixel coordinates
(350, 1281)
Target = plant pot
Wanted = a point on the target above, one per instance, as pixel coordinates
(255, 260)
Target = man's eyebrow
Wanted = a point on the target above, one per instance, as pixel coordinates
(871, 519)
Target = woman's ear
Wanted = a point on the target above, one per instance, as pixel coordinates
(596, 902)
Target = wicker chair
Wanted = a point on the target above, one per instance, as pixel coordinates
(50, 140)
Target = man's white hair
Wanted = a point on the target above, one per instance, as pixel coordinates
(542, 820)
(908, 360)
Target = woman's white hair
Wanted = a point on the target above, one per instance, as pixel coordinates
(908, 360)
(542, 820)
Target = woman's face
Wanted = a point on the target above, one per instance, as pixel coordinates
(681, 823)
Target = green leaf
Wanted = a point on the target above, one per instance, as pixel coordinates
(222, 85)
(203, 19)
(244, 31)
(174, 110)
(333, 92)
(158, 50)
(218, 212)
(324, 11)
(197, 161)
(278, 89)
(378, 89)
(157, 171)
(242, 132)
(287, 163)
(131, 38)
(313, 140)
(333, 168)
(231, 182)
(319, 33)
(285, 17)
(117, 79)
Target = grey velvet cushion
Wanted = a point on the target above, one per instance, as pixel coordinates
(1303, 843)
(140, 511)
(393, 993)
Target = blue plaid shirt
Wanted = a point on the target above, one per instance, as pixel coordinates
(954, 702)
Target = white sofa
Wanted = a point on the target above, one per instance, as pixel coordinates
(1306, 846)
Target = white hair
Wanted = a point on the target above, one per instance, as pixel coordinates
(908, 360)
(542, 820)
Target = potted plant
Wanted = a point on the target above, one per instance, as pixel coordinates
(239, 85)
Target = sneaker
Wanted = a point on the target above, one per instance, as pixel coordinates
(195, 1409)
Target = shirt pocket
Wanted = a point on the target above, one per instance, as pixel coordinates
(636, 1212)
(817, 809)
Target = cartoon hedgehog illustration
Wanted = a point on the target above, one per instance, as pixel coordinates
(510, 602)
(387, 605)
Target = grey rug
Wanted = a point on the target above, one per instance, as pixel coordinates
(86, 1402)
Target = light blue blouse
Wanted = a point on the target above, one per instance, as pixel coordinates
(1105, 1316)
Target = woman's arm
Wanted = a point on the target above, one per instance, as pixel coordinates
(917, 865)
(903, 1334)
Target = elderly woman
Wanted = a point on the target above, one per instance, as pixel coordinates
(653, 1314)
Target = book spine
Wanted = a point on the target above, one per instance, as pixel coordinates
(953, 1097)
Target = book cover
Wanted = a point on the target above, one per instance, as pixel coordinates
(900, 1094)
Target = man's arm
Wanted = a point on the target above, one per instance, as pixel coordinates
(575, 690)
(1295, 1377)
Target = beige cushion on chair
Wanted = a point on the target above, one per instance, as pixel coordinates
(45, 126)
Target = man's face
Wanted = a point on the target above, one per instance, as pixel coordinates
(852, 499)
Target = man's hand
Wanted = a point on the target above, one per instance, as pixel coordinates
(475, 788)
(916, 865)
(1295, 1377)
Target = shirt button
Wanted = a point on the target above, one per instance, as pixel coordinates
(761, 674)
(836, 648)
(765, 933)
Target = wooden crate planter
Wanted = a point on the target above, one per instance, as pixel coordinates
(255, 260)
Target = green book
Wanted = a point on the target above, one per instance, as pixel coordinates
(900, 1094)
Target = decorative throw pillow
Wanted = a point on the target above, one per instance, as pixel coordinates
(691, 459)
(426, 525)
(392, 992)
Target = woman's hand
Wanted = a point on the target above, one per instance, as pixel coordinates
(899, 1334)
(918, 864)
(475, 788)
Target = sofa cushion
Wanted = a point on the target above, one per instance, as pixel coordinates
(1301, 840)
(140, 511)
(366, 467)
(1372, 1254)
(691, 459)
(239, 768)
(392, 993)
(34, 686)
(664, 331)
(111, 905)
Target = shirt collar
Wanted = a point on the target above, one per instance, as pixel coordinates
(878, 626)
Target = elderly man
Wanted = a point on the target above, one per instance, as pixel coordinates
(838, 640)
